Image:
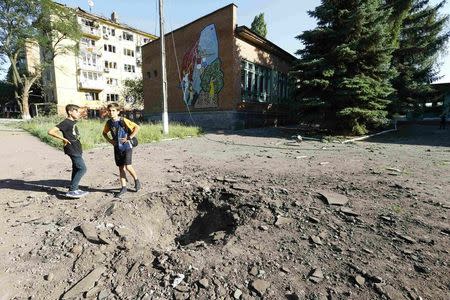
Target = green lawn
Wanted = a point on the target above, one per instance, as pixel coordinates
(91, 131)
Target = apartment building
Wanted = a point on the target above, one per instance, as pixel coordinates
(110, 52)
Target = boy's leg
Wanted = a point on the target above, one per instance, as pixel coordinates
(132, 172)
(78, 170)
(123, 176)
(130, 169)
(123, 181)
(137, 183)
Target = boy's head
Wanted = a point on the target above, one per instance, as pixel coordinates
(72, 111)
(113, 110)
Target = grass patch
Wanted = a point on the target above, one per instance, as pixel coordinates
(91, 131)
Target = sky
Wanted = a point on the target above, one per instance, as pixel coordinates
(285, 19)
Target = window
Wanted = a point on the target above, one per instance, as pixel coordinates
(109, 48)
(112, 81)
(91, 96)
(127, 36)
(261, 84)
(109, 31)
(87, 42)
(129, 68)
(128, 52)
(89, 59)
(87, 22)
(110, 64)
(146, 40)
(112, 97)
(87, 75)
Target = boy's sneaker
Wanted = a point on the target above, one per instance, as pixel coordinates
(76, 194)
(137, 185)
(121, 192)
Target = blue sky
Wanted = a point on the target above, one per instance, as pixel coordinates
(285, 18)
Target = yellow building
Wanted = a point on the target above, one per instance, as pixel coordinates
(110, 52)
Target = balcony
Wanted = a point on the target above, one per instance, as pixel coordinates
(91, 49)
(91, 32)
(89, 67)
(86, 84)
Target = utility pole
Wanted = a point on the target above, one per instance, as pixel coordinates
(165, 116)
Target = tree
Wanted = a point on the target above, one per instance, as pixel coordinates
(259, 25)
(6, 92)
(133, 92)
(343, 75)
(38, 27)
(421, 38)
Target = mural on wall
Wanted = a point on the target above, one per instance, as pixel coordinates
(202, 76)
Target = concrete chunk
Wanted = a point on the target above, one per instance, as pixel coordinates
(333, 198)
(84, 284)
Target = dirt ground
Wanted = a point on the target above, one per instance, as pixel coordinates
(242, 215)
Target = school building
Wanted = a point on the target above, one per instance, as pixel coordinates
(219, 75)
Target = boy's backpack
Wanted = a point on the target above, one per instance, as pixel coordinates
(134, 140)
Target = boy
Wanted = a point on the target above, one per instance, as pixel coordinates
(72, 147)
(122, 132)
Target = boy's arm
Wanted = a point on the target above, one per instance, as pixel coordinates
(106, 129)
(54, 133)
(110, 140)
(133, 127)
(134, 132)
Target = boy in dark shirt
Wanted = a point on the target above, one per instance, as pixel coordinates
(122, 132)
(72, 147)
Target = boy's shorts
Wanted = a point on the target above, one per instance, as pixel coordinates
(123, 158)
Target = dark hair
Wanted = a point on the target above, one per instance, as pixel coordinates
(113, 105)
(71, 107)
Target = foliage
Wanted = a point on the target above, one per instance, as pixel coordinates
(40, 25)
(343, 75)
(213, 74)
(259, 25)
(133, 92)
(6, 92)
(91, 131)
(422, 38)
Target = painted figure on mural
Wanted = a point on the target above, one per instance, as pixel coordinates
(185, 88)
(202, 77)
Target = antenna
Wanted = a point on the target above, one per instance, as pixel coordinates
(91, 5)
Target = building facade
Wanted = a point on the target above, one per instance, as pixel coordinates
(109, 53)
(219, 75)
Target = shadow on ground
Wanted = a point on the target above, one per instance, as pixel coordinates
(55, 187)
(421, 135)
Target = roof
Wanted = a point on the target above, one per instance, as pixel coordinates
(244, 33)
(252, 37)
(443, 86)
(109, 21)
(196, 20)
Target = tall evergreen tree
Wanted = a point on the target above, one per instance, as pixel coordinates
(421, 39)
(343, 75)
(259, 25)
(399, 11)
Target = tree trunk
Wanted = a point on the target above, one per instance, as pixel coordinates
(25, 107)
(27, 84)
